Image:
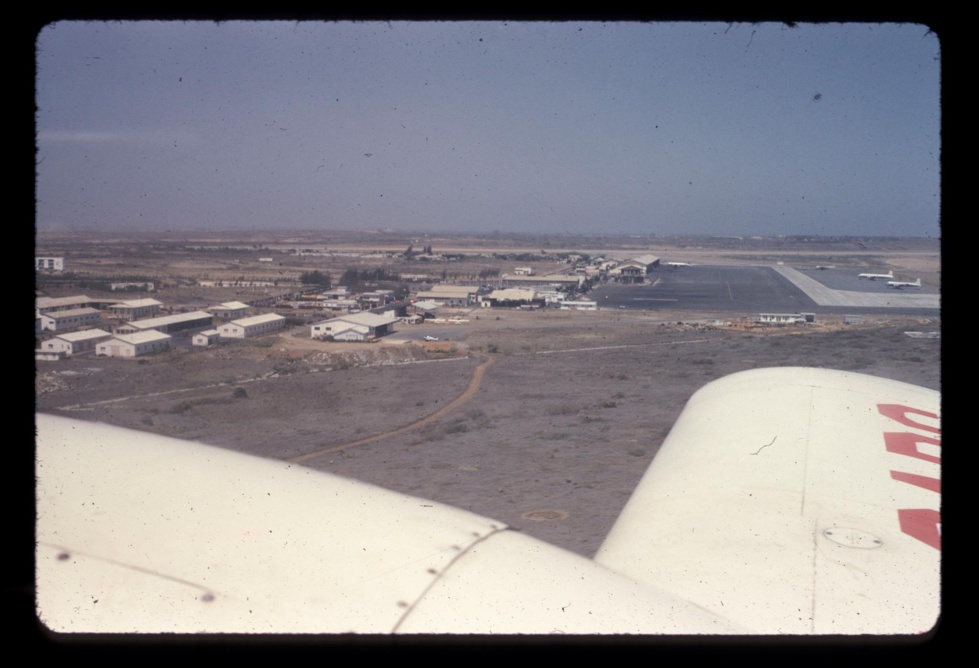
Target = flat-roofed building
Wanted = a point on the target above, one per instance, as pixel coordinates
(786, 318)
(72, 343)
(168, 323)
(257, 325)
(131, 309)
(49, 263)
(450, 295)
(206, 338)
(60, 321)
(230, 310)
(354, 327)
(134, 345)
(44, 305)
(511, 297)
(580, 305)
(537, 282)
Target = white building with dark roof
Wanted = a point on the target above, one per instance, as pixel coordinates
(257, 325)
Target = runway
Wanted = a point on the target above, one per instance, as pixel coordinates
(765, 289)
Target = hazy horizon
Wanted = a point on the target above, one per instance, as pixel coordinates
(589, 128)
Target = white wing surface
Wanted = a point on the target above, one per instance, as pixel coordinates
(795, 501)
(148, 534)
(783, 501)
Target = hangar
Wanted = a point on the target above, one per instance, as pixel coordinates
(168, 323)
(354, 327)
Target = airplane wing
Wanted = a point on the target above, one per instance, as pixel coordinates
(139, 533)
(143, 533)
(795, 500)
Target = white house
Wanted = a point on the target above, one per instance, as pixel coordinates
(133, 345)
(257, 325)
(206, 338)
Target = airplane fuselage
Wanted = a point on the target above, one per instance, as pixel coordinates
(874, 277)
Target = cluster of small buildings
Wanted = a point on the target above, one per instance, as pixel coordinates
(137, 328)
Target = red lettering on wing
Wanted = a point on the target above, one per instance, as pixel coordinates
(899, 413)
(923, 524)
(931, 484)
(906, 443)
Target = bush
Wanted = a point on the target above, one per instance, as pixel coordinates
(240, 393)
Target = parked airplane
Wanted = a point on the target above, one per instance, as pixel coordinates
(874, 277)
(904, 284)
(789, 500)
(825, 266)
(431, 338)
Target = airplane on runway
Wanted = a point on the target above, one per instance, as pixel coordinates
(746, 522)
(825, 266)
(904, 284)
(874, 277)
(679, 264)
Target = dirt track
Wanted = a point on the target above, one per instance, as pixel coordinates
(470, 392)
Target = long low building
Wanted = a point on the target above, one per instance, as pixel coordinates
(59, 321)
(450, 295)
(132, 309)
(230, 310)
(168, 323)
(354, 327)
(76, 342)
(256, 325)
(48, 304)
(134, 345)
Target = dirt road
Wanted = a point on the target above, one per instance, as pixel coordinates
(468, 394)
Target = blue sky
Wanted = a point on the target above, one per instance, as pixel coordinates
(579, 128)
